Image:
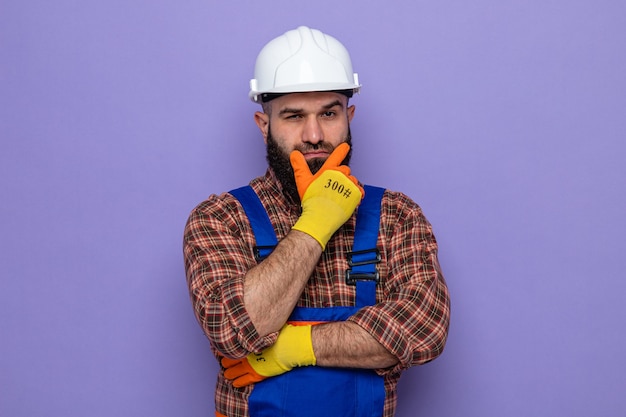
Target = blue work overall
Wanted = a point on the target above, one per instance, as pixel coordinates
(314, 391)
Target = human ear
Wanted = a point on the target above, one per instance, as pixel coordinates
(350, 110)
(262, 120)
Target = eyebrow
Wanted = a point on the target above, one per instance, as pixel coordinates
(291, 110)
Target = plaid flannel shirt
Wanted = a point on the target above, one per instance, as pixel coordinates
(410, 318)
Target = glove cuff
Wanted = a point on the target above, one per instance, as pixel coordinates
(301, 337)
(307, 226)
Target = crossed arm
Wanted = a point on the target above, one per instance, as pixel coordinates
(242, 310)
(241, 305)
(272, 289)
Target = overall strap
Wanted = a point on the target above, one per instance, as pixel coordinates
(365, 254)
(262, 228)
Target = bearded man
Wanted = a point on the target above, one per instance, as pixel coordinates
(315, 290)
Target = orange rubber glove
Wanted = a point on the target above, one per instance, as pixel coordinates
(328, 198)
(293, 347)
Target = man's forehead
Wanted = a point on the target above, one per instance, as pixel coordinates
(309, 100)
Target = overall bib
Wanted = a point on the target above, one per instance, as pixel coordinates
(314, 391)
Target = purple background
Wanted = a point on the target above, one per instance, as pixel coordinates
(505, 120)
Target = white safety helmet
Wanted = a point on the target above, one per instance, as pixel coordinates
(302, 60)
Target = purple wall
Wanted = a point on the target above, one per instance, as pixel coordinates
(504, 120)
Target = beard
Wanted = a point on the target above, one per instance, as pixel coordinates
(279, 162)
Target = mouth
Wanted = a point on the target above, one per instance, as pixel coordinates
(315, 155)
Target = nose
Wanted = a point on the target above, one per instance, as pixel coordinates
(313, 132)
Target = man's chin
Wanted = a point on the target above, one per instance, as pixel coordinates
(315, 164)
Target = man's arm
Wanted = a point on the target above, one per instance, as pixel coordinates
(240, 304)
(412, 320)
(273, 287)
(346, 344)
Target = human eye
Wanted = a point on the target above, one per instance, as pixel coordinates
(292, 116)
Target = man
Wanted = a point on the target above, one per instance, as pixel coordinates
(315, 291)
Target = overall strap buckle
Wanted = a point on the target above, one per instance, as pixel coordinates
(262, 252)
(362, 266)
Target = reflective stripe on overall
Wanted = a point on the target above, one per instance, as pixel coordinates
(314, 391)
